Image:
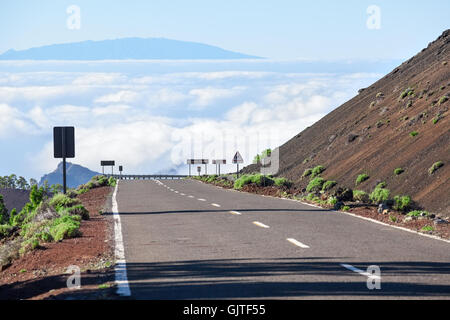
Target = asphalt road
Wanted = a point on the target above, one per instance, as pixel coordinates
(188, 240)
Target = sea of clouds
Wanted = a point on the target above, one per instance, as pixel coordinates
(150, 116)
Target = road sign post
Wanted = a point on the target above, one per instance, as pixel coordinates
(64, 147)
(108, 163)
(218, 162)
(197, 161)
(237, 159)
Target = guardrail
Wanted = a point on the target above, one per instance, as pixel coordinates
(146, 177)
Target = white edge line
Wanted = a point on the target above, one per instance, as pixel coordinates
(297, 243)
(361, 272)
(123, 287)
(259, 224)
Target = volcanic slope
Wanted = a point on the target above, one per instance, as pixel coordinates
(401, 121)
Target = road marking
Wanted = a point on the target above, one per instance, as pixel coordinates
(236, 213)
(361, 272)
(259, 224)
(190, 196)
(215, 205)
(182, 194)
(176, 192)
(297, 243)
(123, 288)
(200, 199)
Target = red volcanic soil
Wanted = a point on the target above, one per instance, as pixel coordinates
(42, 273)
(371, 134)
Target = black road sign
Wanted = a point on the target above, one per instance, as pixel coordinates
(64, 142)
(107, 163)
(120, 168)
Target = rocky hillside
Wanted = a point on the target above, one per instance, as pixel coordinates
(400, 122)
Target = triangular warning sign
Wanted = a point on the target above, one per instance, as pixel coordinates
(238, 158)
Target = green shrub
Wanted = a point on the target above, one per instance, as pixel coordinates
(315, 184)
(413, 133)
(61, 201)
(393, 218)
(401, 203)
(328, 185)
(306, 173)
(407, 92)
(332, 201)
(345, 208)
(5, 230)
(78, 210)
(443, 99)
(316, 171)
(360, 196)
(427, 228)
(361, 178)
(381, 185)
(417, 213)
(435, 167)
(242, 181)
(398, 171)
(282, 182)
(379, 195)
(65, 227)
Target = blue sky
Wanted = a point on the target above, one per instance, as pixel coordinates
(151, 115)
(283, 29)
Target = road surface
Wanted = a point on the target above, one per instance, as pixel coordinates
(187, 240)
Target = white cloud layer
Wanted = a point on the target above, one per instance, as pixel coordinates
(153, 122)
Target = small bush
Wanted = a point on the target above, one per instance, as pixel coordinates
(78, 210)
(417, 213)
(379, 195)
(435, 167)
(427, 228)
(282, 182)
(407, 92)
(413, 133)
(65, 227)
(315, 184)
(401, 203)
(328, 185)
(361, 178)
(5, 230)
(61, 201)
(317, 171)
(443, 99)
(306, 173)
(345, 208)
(360, 196)
(332, 201)
(398, 171)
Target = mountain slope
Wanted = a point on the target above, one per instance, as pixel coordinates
(76, 175)
(126, 48)
(373, 133)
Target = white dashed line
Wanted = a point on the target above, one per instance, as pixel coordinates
(259, 224)
(190, 196)
(297, 243)
(200, 199)
(176, 192)
(361, 272)
(215, 205)
(182, 194)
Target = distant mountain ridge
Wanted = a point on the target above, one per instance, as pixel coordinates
(76, 175)
(125, 48)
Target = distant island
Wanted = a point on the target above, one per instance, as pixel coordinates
(124, 49)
